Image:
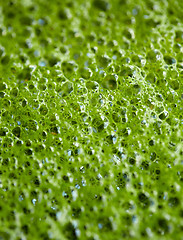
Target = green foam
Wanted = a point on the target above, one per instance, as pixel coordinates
(91, 119)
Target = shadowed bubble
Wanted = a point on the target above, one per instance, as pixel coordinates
(109, 82)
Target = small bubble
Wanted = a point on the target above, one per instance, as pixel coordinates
(34, 201)
(3, 132)
(77, 186)
(5, 60)
(103, 61)
(135, 11)
(69, 68)
(163, 115)
(110, 82)
(16, 131)
(2, 94)
(41, 22)
(43, 110)
(169, 60)
(21, 198)
(3, 86)
(100, 226)
(42, 63)
(64, 14)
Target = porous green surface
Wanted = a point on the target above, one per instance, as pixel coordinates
(91, 119)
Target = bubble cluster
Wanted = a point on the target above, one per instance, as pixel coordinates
(91, 119)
